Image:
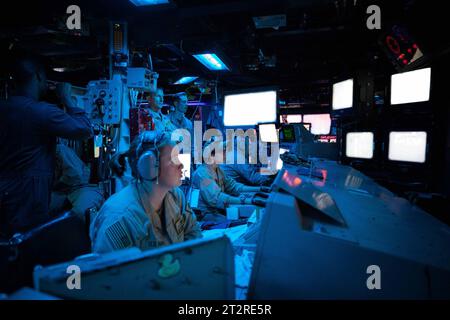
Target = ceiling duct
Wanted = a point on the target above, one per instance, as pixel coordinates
(274, 21)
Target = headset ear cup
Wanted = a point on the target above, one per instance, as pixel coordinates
(147, 166)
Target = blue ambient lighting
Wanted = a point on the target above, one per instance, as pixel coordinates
(211, 61)
(185, 80)
(141, 3)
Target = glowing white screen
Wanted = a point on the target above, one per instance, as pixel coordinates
(280, 162)
(342, 95)
(185, 159)
(413, 86)
(359, 145)
(320, 123)
(408, 146)
(268, 133)
(249, 109)
(291, 118)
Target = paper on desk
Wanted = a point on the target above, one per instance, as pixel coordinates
(233, 233)
(243, 268)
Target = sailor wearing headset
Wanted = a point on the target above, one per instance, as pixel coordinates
(151, 211)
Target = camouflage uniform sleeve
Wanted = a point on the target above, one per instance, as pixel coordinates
(210, 192)
(74, 171)
(112, 233)
(253, 176)
(231, 186)
(230, 171)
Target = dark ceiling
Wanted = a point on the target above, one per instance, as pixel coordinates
(322, 39)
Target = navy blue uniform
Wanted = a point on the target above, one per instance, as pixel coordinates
(28, 131)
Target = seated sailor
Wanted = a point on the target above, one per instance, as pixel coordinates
(245, 172)
(71, 185)
(218, 190)
(152, 211)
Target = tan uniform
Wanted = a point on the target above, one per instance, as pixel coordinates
(215, 190)
(180, 121)
(72, 184)
(247, 174)
(162, 122)
(124, 222)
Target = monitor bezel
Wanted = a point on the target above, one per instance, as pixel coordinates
(409, 105)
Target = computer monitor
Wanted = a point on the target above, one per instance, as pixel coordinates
(320, 123)
(185, 159)
(410, 87)
(250, 109)
(359, 145)
(291, 118)
(342, 95)
(195, 269)
(287, 133)
(407, 146)
(268, 132)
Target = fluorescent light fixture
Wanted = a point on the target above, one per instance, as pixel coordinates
(141, 3)
(185, 80)
(185, 159)
(320, 123)
(413, 86)
(211, 61)
(249, 109)
(59, 69)
(359, 145)
(342, 95)
(407, 146)
(280, 162)
(268, 132)
(291, 118)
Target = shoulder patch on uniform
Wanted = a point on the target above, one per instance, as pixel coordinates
(118, 236)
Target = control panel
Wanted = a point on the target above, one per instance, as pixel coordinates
(141, 79)
(104, 100)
